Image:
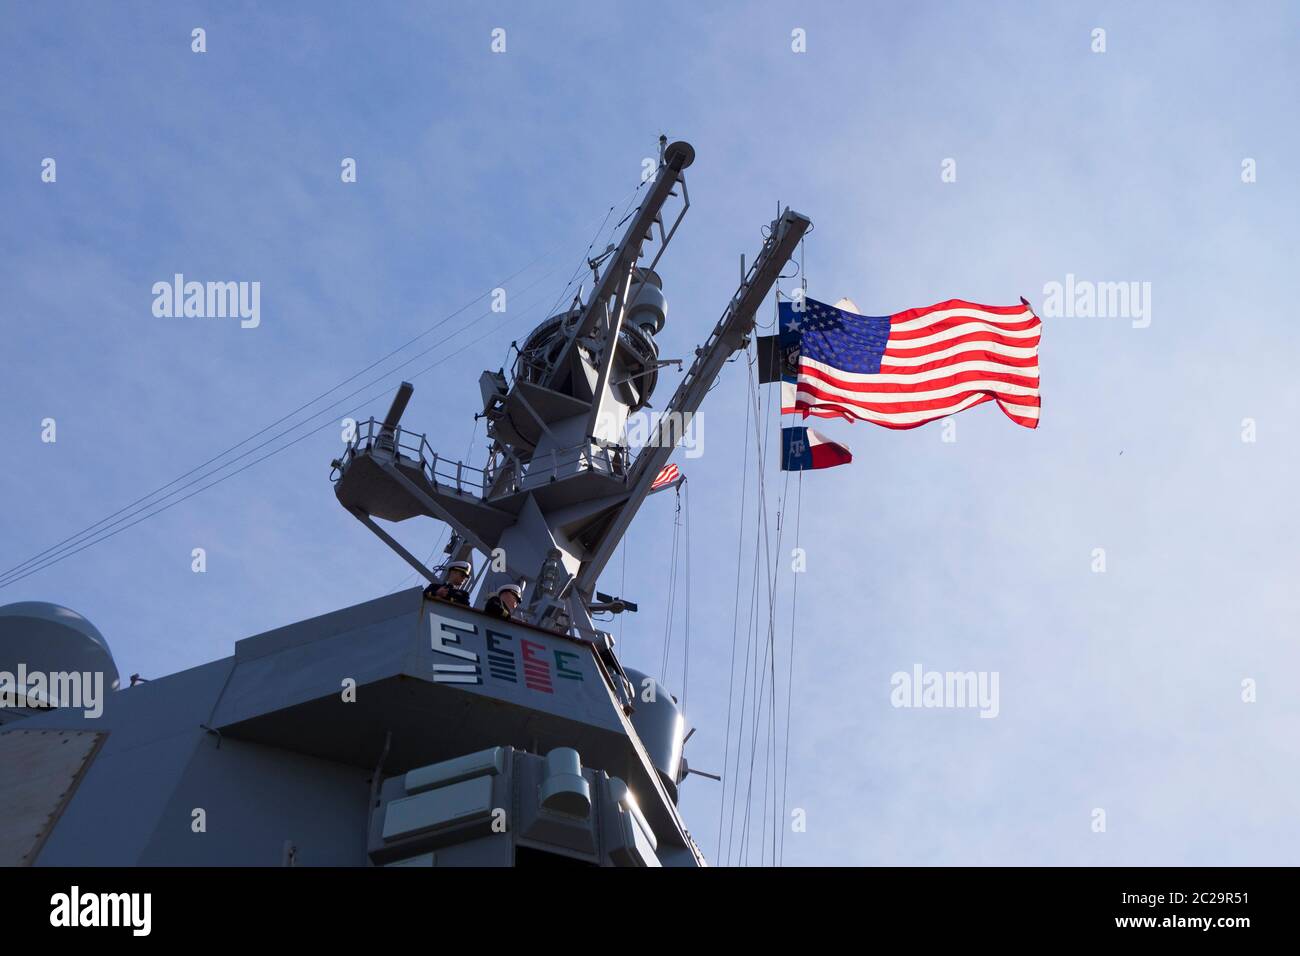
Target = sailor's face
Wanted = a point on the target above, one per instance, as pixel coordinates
(509, 600)
(456, 578)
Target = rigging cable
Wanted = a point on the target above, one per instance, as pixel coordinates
(760, 670)
(751, 627)
(794, 603)
(672, 588)
(761, 676)
(283, 418)
(686, 626)
(767, 669)
(600, 230)
(100, 536)
(735, 620)
(52, 555)
(789, 696)
(751, 603)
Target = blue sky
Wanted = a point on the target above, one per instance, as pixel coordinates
(1119, 690)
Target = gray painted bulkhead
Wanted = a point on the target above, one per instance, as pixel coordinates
(264, 744)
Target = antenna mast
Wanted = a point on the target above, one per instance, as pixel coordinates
(562, 484)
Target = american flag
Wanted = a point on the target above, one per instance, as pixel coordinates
(667, 476)
(907, 369)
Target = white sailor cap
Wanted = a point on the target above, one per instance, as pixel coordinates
(460, 566)
(514, 589)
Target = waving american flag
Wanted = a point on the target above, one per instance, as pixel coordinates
(669, 477)
(910, 368)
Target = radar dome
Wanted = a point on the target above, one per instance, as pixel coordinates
(659, 723)
(47, 638)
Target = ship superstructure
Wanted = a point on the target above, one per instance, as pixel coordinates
(409, 730)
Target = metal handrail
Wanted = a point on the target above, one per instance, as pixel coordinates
(443, 472)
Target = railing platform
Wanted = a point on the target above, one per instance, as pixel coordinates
(486, 498)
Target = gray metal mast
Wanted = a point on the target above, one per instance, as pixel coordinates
(459, 738)
(562, 485)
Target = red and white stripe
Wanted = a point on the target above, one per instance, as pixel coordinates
(667, 475)
(938, 361)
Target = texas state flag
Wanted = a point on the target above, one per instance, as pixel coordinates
(802, 449)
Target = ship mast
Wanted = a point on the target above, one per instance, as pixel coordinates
(562, 485)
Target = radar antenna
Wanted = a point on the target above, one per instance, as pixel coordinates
(562, 483)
